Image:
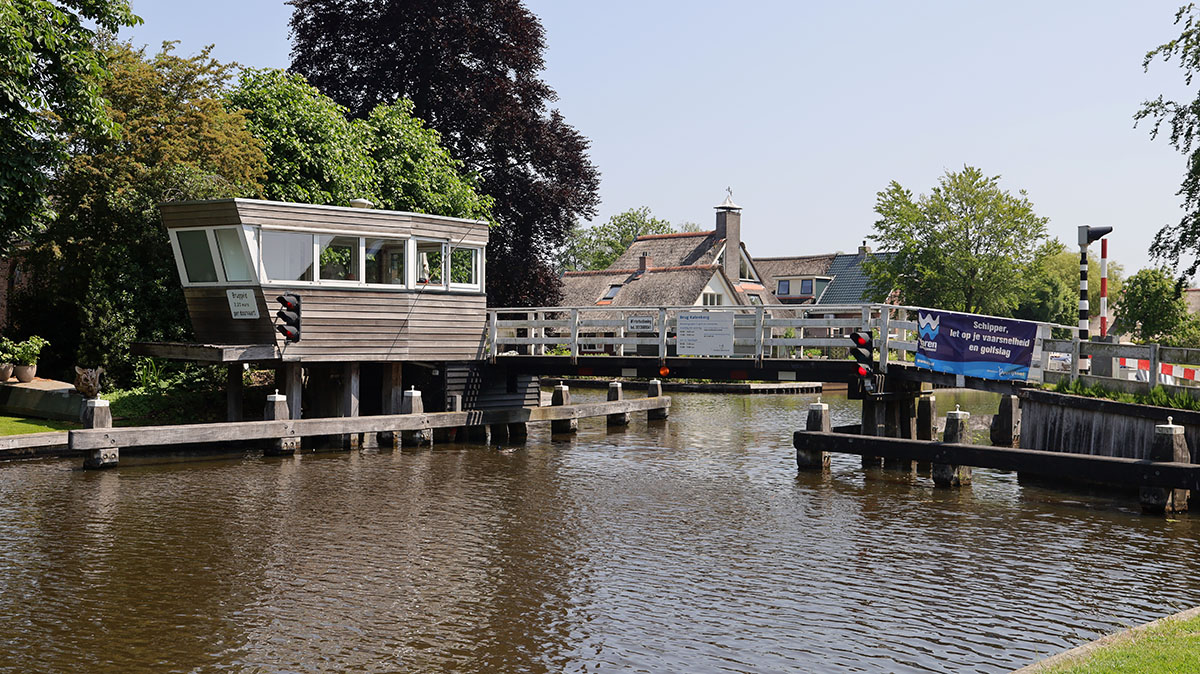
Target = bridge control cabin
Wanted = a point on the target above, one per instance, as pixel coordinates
(388, 299)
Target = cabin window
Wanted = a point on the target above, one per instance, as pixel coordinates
(806, 286)
(287, 256)
(385, 261)
(197, 256)
(710, 299)
(339, 258)
(431, 264)
(233, 255)
(464, 266)
(785, 287)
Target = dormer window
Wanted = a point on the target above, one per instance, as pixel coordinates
(612, 292)
(785, 287)
(806, 286)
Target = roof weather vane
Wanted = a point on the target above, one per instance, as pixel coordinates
(729, 193)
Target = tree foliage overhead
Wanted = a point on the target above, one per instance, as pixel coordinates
(598, 246)
(1176, 242)
(316, 154)
(473, 71)
(102, 273)
(50, 75)
(963, 247)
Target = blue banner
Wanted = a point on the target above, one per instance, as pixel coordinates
(975, 346)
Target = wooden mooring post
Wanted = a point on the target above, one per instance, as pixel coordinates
(950, 475)
(99, 415)
(614, 393)
(561, 397)
(654, 390)
(414, 405)
(277, 410)
(1169, 446)
(818, 420)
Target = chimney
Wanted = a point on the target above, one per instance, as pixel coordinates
(864, 249)
(729, 227)
(644, 263)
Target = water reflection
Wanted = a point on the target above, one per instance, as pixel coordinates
(686, 545)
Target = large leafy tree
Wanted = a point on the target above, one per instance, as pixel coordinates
(1051, 286)
(598, 246)
(102, 274)
(1152, 308)
(965, 246)
(317, 154)
(473, 71)
(1176, 242)
(50, 79)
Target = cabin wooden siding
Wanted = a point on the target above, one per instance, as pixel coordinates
(490, 387)
(342, 324)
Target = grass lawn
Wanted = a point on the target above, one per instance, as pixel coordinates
(1169, 646)
(20, 426)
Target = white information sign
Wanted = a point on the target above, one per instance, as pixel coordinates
(640, 324)
(242, 303)
(702, 334)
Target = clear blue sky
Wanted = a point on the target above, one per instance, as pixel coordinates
(807, 109)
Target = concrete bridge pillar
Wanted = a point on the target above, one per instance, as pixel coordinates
(1169, 445)
(818, 420)
(946, 475)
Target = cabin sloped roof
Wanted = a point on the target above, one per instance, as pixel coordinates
(659, 286)
(850, 284)
(671, 250)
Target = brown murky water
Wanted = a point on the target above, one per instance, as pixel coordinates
(686, 546)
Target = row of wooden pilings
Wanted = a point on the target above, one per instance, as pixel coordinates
(897, 417)
(432, 428)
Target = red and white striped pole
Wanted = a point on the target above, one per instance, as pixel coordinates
(1103, 288)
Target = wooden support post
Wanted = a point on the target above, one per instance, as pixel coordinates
(499, 433)
(1005, 430)
(392, 402)
(899, 424)
(293, 376)
(562, 396)
(453, 404)
(614, 393)
(654, 390)
(413, 405)
(276, 409)
(351, 378)
(872, 418)
(518, 431)
(233, 391)
(819, 419)
(477, 433)
(944, 474)
(1169, 445)
(99, 415)
(926, 425)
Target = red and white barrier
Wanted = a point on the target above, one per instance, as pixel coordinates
(1177, 371)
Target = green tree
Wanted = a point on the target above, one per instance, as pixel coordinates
(597, 247)
(473, 71)
(1048, 294)
(1175, 242)
(1151, 306)
(102, 274)
(50, 75)
(965, 246)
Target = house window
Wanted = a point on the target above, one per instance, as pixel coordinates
(464, 266)
(233, 255)
(287, 256)
(197, 256)
(785, 288)
(431, 263)
(755, 299)
(385, 261)
(710, 299)
(806, 287)
(339, 258)
(612, 292)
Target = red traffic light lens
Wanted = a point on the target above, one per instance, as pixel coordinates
(860, 340)
(862, 371)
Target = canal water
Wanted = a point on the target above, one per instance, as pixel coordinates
(689, 545)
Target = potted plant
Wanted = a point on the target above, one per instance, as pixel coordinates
(6, 364)
(25, 356)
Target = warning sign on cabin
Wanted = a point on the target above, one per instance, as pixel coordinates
(242, 303)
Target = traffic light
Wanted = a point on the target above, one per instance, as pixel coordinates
(863, 353)
(290, 316)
